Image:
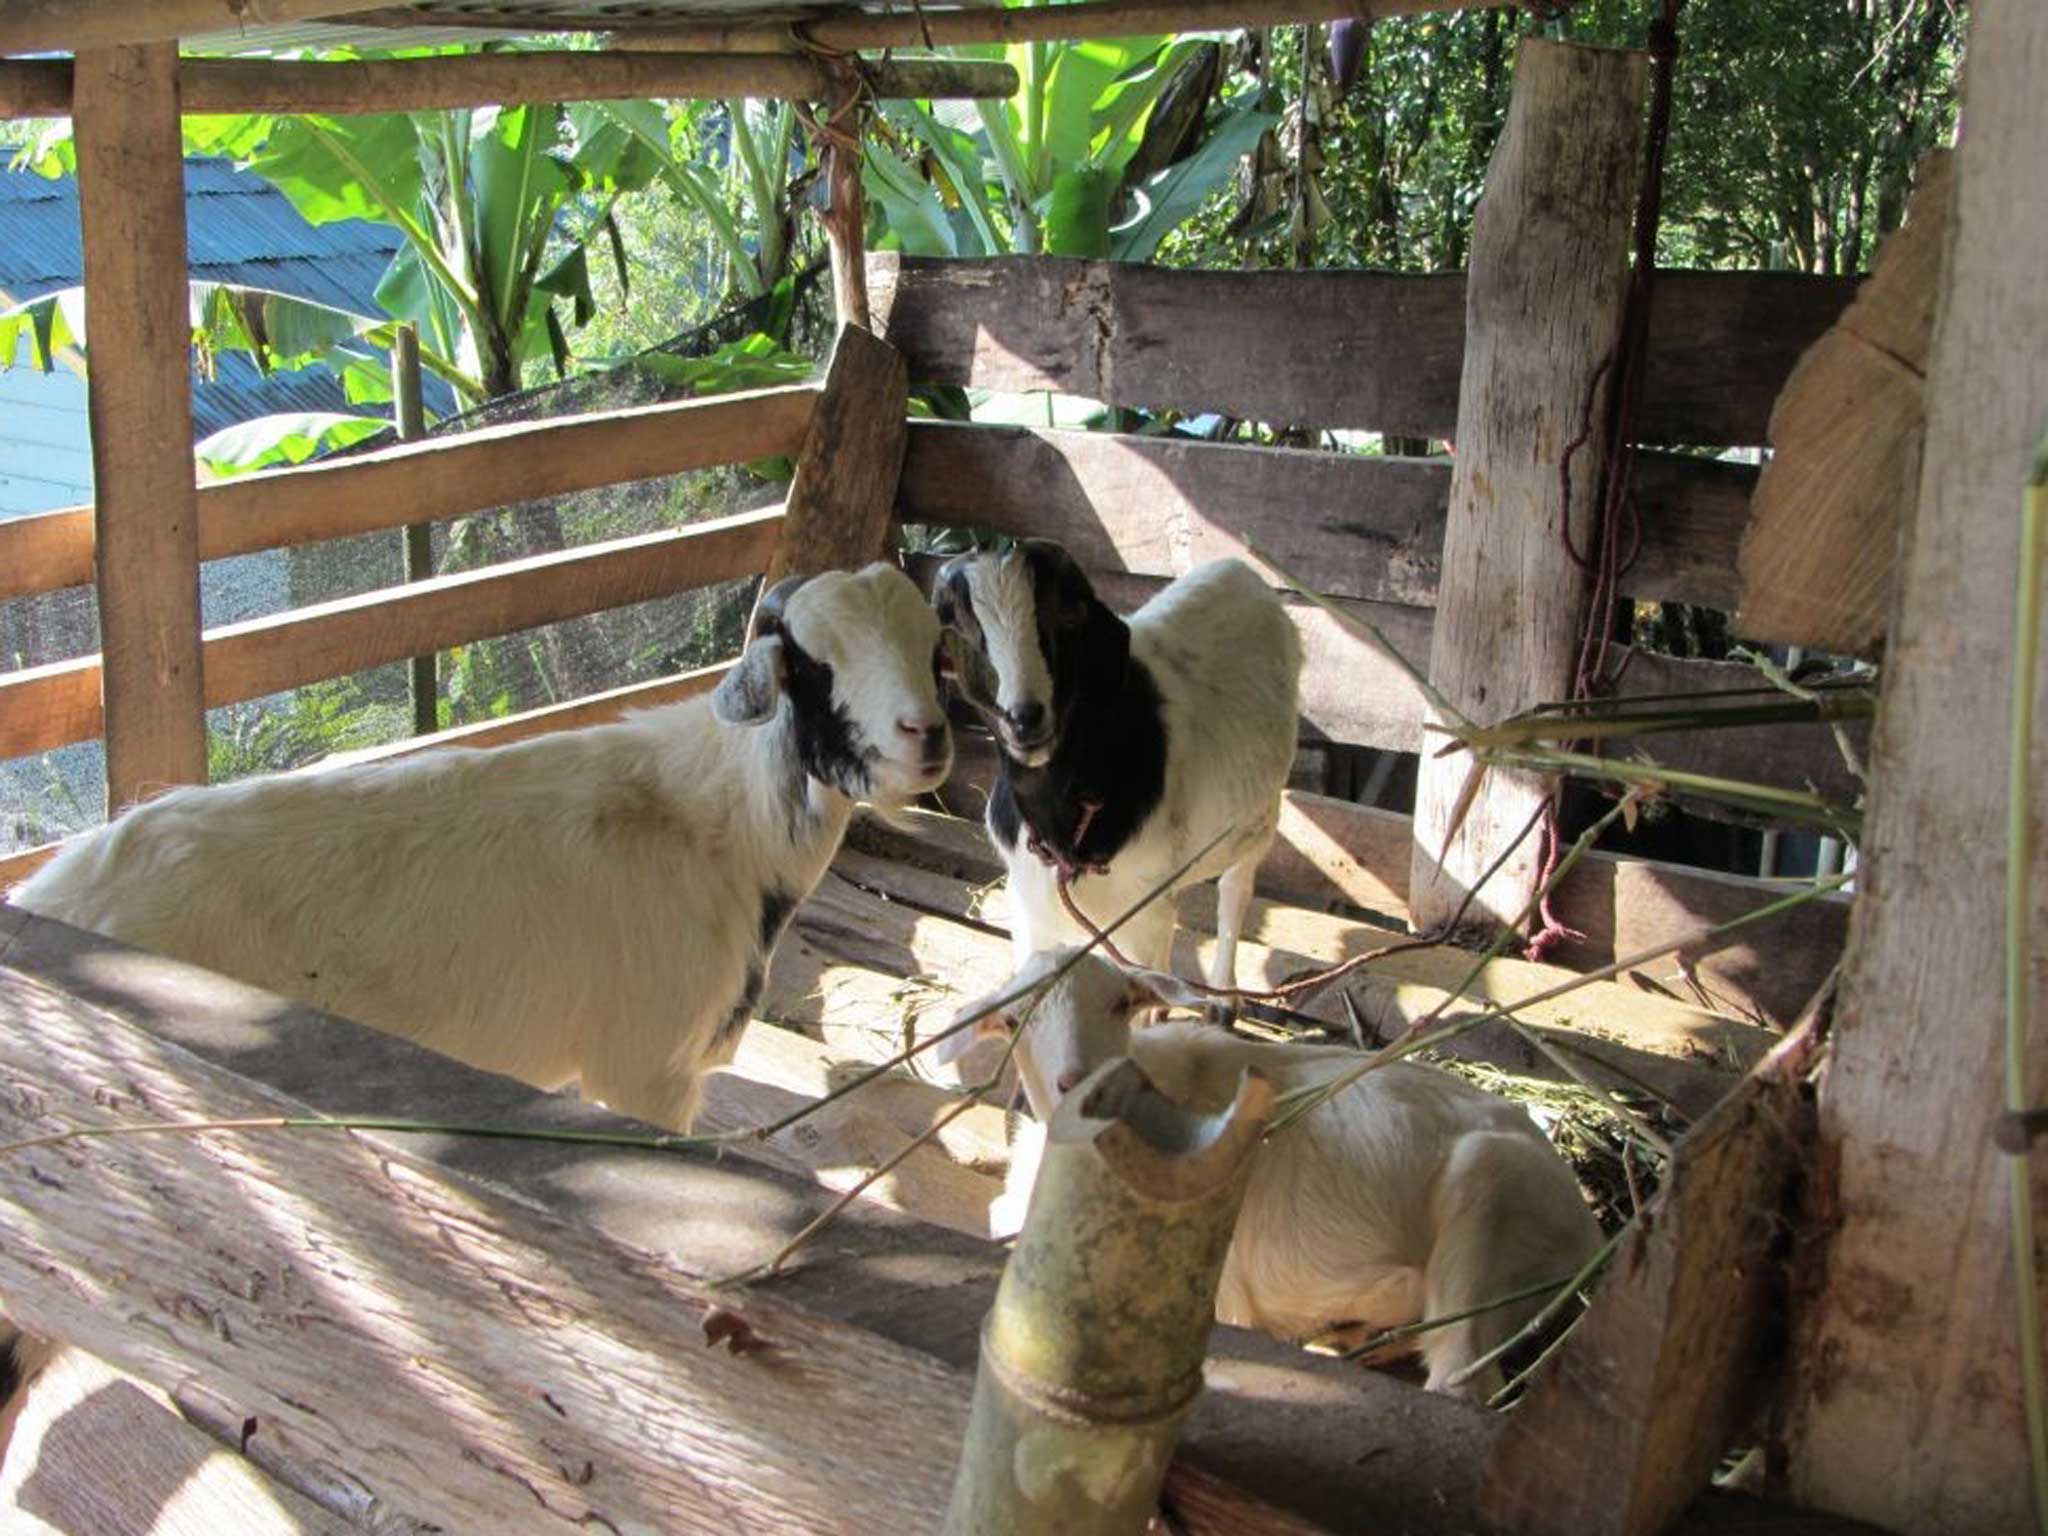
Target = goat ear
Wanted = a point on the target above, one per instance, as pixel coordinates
(767, 615)
(1165, 989)
(992, 1026)
(748, 694)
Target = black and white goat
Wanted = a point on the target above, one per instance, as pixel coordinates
(597, 905)
(1410, 1194)
(1126, 745)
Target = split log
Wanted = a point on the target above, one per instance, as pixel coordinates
(844, 489)
(1629, 1421)
(1904, 1405)
(131, 208)
(1544, 305)
(47, 26)
(1820, 558)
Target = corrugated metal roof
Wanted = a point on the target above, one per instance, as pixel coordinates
(239, 229)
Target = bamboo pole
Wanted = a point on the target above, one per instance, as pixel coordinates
(913, 28)
(42, 87)
(1092, 1353)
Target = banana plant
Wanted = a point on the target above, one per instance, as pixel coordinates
(1109, 145)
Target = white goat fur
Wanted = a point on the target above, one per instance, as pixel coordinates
(587, 905)
(1410, 1194)
(1226, 660)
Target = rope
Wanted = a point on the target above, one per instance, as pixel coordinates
(1616, 537)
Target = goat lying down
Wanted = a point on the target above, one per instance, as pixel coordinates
(1126, 745)
(1411, 1194)
(597, 905)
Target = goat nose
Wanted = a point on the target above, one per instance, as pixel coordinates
(1028, 718)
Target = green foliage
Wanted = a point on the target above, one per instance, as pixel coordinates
(284, 438)
(315, 721)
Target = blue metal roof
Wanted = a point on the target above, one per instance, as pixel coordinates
(239, 229)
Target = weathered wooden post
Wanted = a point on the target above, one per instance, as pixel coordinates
(131, 206)
(1904, 1404)
(1544, 296)
(1092, 1354)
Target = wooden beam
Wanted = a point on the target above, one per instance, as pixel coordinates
(1548, 282)
(39, 87)
(442, 477)
(48, 26)
(935, 27)
(1366, 526)
(844, 488)
(1388, 347)
(45, 707)
(1904, 1405)
(131, 208)
(96, 1451)
(1819, 562)
(527, 1319)
(1627, 1425)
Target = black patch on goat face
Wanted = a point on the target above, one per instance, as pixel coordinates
(743, 1010)
(1087, 648)
(829, 745)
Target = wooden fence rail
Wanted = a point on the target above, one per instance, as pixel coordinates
(50, 706)
(1374, 351)
(439, 478)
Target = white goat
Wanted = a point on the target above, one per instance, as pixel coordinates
(597, 905)
(1410, 1194)
(1125, 746)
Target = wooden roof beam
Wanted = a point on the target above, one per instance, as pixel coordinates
(39, 26)
(945, 28)
(42, 87)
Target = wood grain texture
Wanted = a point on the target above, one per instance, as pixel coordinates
(43, 707)
(131, 211)
(844, 488)
(442, 477)
(36, 88)
(526, 1318)
(1819, 562)
(1365, 526)
(1387, 350)
(1544, 306)
(97, 1453)
(1905, 1406)
(1629, 1421)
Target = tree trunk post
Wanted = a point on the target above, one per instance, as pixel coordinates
(1092, 1353)
(1544, 300)
(131, 191)
(409, 411)
(1904, 1403)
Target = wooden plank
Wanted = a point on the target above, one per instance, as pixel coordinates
(1628, 1423)
(1368, 527)
(1905, 1399)
(525, 1319)
(43, 26)
(43, 707)
(131, 210)
(845, 482)
(97, 1453)
(1548, 285)
(1819, 562)
(447, 82)
(1387, 351)
(19, 865)
(855, 30)
(443, 477)
(890, 917)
